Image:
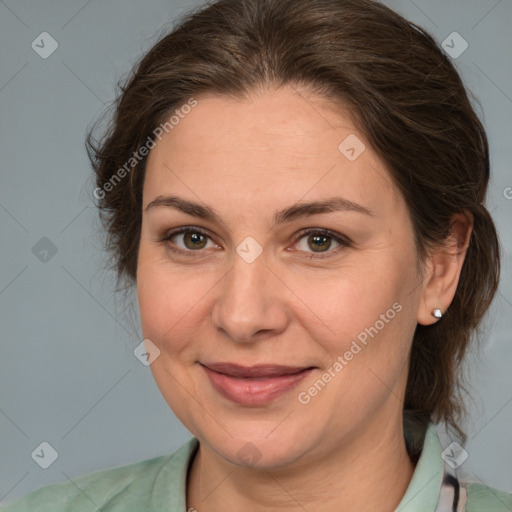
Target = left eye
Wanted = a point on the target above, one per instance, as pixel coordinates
(320, 241)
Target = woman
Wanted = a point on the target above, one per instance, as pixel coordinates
(296, 190)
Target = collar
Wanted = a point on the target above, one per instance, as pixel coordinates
(425, 485)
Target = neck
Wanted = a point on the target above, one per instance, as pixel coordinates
(370, 471)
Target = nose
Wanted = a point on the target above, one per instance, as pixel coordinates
(251, 302)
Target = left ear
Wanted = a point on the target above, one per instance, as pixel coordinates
(443, 269)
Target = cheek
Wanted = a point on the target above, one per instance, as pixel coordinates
(163, 299)
(161, 308)
(352, 299)
(367, 321)
(365, 332)
(168, 309)
(173, 303)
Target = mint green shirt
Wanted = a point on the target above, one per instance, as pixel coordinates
(159, 485)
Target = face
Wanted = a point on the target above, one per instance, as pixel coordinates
(284, 243)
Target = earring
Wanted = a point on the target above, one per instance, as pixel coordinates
(437, 313)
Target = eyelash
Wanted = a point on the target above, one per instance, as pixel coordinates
(344, 242)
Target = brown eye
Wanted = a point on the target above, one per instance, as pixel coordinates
(187, 240)
(320, 241)
(193, 240)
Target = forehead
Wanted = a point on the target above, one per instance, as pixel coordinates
(276, 144)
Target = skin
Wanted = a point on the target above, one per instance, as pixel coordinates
(247, 159)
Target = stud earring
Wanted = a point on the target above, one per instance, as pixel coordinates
(437, 313)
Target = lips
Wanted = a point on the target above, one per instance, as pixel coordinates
(254, 385)
(254, 372)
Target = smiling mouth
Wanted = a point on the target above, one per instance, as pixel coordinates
(254, 385)
(256, 371)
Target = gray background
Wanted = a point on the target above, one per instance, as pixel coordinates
(68, 375)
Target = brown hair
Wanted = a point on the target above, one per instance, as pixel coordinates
(404, 95)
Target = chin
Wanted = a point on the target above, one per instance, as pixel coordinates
(253, 447)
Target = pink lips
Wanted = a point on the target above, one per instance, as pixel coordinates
(254, 385)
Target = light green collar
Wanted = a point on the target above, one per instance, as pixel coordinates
(423, 491)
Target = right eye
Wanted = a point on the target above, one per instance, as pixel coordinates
(191, 239)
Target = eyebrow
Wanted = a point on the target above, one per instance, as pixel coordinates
(334, 204)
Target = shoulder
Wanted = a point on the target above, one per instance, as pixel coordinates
(482, 498)
(129, 487)
(92, 491)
